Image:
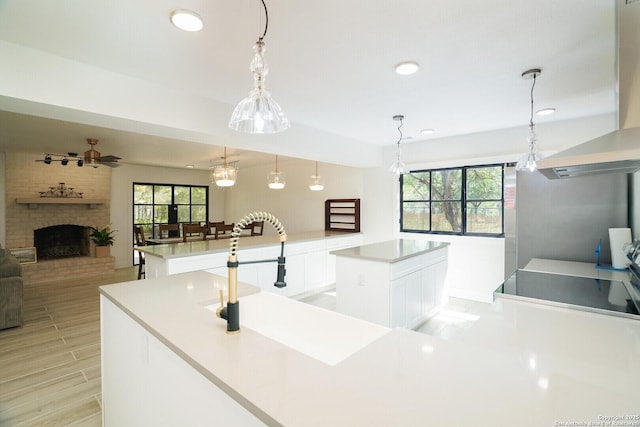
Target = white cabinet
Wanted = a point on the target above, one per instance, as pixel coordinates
(336, 244)
(144, 383)
(309, 265)
(393, 294)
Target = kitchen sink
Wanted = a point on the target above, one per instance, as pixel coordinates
(322, 334)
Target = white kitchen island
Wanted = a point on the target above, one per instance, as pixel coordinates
(167, 361)
(396, 283)
(310, 267)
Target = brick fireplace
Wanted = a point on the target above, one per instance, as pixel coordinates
(26, 178)
(61, 241)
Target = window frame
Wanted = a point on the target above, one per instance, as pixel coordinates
(464, 201)
(153, 224)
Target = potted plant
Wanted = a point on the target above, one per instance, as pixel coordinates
(103, 238)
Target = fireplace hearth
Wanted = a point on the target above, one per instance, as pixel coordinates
(61, 241)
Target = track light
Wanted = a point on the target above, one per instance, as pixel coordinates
(64, 161)
(80, 163)
(47, 159)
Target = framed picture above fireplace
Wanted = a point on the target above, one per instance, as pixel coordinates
(25, 255)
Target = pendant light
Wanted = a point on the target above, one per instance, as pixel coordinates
(276, 179)
(225, 175)
(315, 184)
(398, 167)
(530, 160)
(258, 112)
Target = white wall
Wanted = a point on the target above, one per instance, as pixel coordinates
(298, 208)
(123, 178)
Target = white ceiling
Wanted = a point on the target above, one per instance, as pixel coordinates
(331, 69)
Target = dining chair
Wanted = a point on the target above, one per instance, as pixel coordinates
(222, 230)
(189, 230)
(140, 241)
(168, 228)
(211, 225)
(256, 228)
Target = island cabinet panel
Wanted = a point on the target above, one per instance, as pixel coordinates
(347, 241)
(144, 383)
(309, 265)
(393, 293)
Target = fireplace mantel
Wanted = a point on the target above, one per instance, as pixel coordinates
(35, 201)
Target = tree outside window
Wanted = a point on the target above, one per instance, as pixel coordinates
(151, 204)
(466, 200)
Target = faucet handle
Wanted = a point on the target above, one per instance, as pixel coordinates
(219, 309)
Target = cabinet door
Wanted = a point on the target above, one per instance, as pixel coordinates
(144, 383)
(415, 298)
(399, 302)
(295, 277)
(440, 279)
(429, 291)
(314, 270)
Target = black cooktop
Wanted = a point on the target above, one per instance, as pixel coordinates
(581, 292)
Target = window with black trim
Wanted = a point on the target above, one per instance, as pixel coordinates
(155, 204)
(465, 201)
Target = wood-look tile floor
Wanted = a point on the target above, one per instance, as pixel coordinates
(50, 366)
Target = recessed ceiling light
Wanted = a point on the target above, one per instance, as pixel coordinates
(406, 68)
(187, 20)
(189, 166)
(546, 111)
(427, 131)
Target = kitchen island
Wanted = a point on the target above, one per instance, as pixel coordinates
(167, 361)
(395, 283)
(310, 266)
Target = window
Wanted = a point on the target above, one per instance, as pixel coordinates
(467, 201)
(155, 204)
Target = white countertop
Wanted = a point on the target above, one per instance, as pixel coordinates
(182, 249)
(520, 364)
(392, 250)
(571, 268)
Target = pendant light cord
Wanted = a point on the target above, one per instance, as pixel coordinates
(266, 21)
(532, 86)
(400, 132)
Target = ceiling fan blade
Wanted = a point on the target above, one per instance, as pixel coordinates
(110, 164)
(109, 158)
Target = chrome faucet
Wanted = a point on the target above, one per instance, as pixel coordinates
(231, 313)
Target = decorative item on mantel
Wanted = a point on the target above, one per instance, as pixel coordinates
(103, 238)
(61, 190)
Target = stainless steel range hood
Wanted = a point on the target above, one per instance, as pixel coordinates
(615, 152)
(619, 151)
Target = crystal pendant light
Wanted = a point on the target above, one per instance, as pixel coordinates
(276, 179)
(224, 175)
(258, 112)
(315, 184)
(398, 167)
(529, 162)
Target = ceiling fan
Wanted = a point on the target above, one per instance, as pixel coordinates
(91, 157)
